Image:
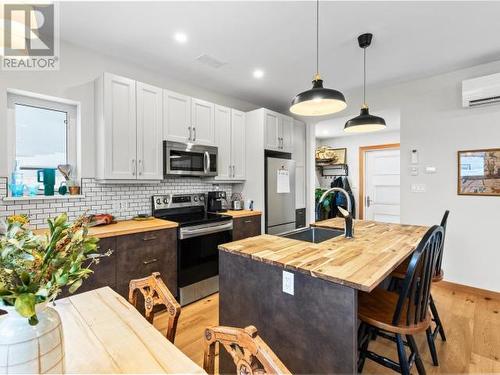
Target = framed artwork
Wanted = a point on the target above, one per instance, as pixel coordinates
(479, 172)
(330, 156)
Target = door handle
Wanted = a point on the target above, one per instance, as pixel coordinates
(206, 162)
(141, 167)
(149, 237)
(234, 170)
(150, 261)
(134, 167)
(194, 133)
(189, 128)
(368, 201)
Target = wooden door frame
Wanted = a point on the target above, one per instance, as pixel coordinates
(362, 153)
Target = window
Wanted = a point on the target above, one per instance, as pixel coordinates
(43, 137)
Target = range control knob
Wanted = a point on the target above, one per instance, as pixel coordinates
(158, 201)
(165, 200)
(202, 198)
(195, 198)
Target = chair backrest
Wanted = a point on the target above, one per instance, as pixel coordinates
(155, 292)
(413, 301)
(444, 221)
(250, 353)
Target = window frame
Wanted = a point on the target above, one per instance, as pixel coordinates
(45, 102)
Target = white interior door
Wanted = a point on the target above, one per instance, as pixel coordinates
(382, 185)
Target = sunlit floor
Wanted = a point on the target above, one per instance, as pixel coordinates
(471, 321)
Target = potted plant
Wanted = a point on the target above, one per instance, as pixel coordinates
(33, 271)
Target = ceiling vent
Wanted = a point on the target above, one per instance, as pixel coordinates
(210, 61)
(481, 91)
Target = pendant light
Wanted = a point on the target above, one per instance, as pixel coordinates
(364, 122)
(318, 101)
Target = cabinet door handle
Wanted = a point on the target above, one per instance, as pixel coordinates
(150, 261)
(234, 170)
(141, 167)
(149, 237)
(194, 133)
(229, 173)
(248, 221)
(133, 167)
(189, 128)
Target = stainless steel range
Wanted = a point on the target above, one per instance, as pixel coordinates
(199, 234)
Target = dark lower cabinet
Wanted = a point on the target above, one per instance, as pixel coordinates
(142, 254)
(134, 256)
(245, 227)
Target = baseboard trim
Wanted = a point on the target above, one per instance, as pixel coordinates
(469, 289)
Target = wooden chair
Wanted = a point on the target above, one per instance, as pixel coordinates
(393, 315)
(250, 353)
(156, 293)
(437, 277)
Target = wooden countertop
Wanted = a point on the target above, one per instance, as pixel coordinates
(361, 262)
(125, 227)
(103, 333)
(241, 213)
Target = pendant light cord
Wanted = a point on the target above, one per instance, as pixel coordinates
(364, 77)
(317, 39)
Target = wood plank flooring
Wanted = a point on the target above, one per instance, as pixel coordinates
(471, 321)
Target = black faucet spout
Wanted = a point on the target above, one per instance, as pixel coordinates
(348, 228)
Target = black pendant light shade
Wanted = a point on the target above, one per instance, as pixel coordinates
(318, 101)
(364, 122)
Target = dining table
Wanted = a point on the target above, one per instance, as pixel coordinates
(104, 333)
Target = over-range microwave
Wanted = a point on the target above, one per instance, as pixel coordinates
(185, 159)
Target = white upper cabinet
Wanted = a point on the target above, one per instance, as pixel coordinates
(286, 133)
(116, 127)
(238, 145)
(202, 120)
(177, 117)
(299, 155)
(271, 129)
(223, 141)
(128, 129)
(149, 132)
(230, 141)
(278, 131)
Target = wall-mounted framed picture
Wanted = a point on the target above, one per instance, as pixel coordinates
(479, 172)
(330, 156)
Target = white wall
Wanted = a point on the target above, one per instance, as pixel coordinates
(353, 143)
(74, 80)
(434, 122)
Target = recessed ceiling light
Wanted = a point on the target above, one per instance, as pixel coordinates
(258, 73)
(180, 37)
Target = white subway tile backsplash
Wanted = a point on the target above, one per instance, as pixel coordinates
(105, 198)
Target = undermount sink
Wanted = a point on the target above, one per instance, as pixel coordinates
(313, 234)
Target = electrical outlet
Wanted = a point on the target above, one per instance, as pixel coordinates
(116, 206)
(288, 286)
(418, 188)
(123, 205)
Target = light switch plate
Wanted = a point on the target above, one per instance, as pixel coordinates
(288, 283)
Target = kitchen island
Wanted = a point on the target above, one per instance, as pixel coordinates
(313, 327)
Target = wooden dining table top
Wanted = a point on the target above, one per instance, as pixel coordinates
(103, 333)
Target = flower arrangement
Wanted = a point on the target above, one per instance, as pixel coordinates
(35, 268)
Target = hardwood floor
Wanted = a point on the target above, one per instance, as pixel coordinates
(471, 321)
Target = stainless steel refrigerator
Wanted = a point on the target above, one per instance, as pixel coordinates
(280, 195)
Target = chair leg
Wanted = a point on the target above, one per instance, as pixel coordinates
(403, 360)
(432, 346)
(437, 319)
(414, 349)
(364, 346)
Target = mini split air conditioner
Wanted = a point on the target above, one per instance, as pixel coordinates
(481, 90)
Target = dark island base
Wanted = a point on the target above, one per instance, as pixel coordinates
(314, 331)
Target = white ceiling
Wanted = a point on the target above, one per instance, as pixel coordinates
(412, 40)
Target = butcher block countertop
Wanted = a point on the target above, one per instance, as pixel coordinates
(241, 213)
(125, 227)
(361, 262)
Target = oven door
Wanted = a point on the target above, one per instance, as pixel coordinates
(184, 160)
(198, 255)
